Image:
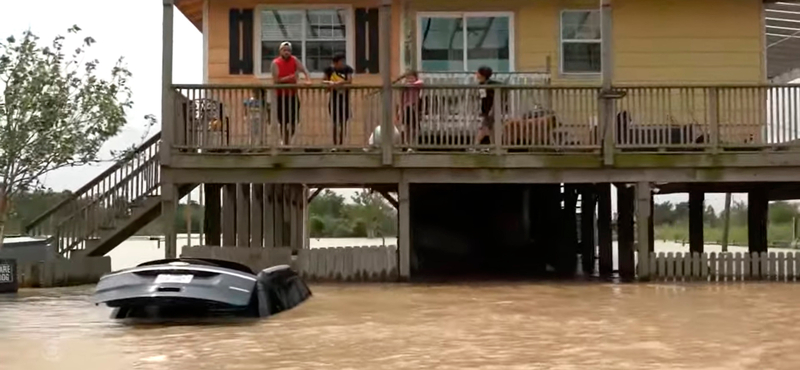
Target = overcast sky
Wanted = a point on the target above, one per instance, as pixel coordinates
(132, 29)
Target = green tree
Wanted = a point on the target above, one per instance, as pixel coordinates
(55, 111)
(782, 212)
(369, 215)
(372, 215)
(326, 216)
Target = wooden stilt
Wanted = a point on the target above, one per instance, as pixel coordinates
(229, 215)
(243, 215)
(212, 223)
(696, 210)
(588, 207)
(625, 237)
(604, 231)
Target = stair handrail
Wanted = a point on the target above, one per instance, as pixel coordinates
(85, 188)
(110, 192)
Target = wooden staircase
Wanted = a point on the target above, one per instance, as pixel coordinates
(109, 209)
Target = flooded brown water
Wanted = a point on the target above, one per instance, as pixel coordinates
(492, 326)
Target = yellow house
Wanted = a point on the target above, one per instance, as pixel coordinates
(634, 92)
(653, 41)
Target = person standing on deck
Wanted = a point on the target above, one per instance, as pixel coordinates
(336, 76)
(284, 71)
(411, 107)
(484, 77)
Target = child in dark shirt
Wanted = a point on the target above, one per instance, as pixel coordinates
(484, 77)
(336, 76)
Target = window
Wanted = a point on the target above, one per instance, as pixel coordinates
(580, 41)
(316, 35)
(486, 37)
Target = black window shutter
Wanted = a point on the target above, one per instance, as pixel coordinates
(374, 41)
(247, 41)
(361, 40)
(367, 41)
(233, 42)
(241, 60)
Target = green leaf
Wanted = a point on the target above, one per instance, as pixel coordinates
(56, 110)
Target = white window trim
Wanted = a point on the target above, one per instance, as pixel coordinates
(561, 42)
(349, 37)
(512, 62)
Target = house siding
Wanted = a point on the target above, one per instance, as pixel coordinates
(682, 41)
(654, 41)
(218, 41)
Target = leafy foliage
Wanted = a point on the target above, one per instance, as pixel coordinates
(672, 222)
(55, 111)
(367, 216)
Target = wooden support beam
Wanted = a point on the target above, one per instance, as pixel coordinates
(757, 210)
(696, 211)
(306, 228)
(385, 63)
(257, 216)
(229, 215)
(625, 237)
(404, 221)
(243, 215)
(569, 232)
(167, 103)
(389, 198)
(604, 231)
(169, 209)
(295, 235)
(280, 207)
(316, 192)
(212, 223)
(269, 215)
(651, 243)
(588, 207)
(644, 197)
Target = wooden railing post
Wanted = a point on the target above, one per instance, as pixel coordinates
(167, 102)
(497, 116)
(387, 129)
(275, 133)
(713, 118)
(606, 111)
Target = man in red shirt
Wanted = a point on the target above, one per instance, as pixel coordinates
(285, 69)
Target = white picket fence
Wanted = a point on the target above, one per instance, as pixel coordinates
(374, 263)
(725, 266)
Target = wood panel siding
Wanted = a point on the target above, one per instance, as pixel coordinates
(675, 41)
(678, 41)
(219, 42)
(654, 41)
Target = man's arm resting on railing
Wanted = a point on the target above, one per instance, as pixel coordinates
(302, 68)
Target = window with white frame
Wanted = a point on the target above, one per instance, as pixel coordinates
(486, 37)
(316, 35)
(580, 41)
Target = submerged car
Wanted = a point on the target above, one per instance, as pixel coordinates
(199, 287)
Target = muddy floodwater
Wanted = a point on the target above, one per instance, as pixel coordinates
(460, 326)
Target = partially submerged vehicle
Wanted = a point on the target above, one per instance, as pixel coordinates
(200, 287)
